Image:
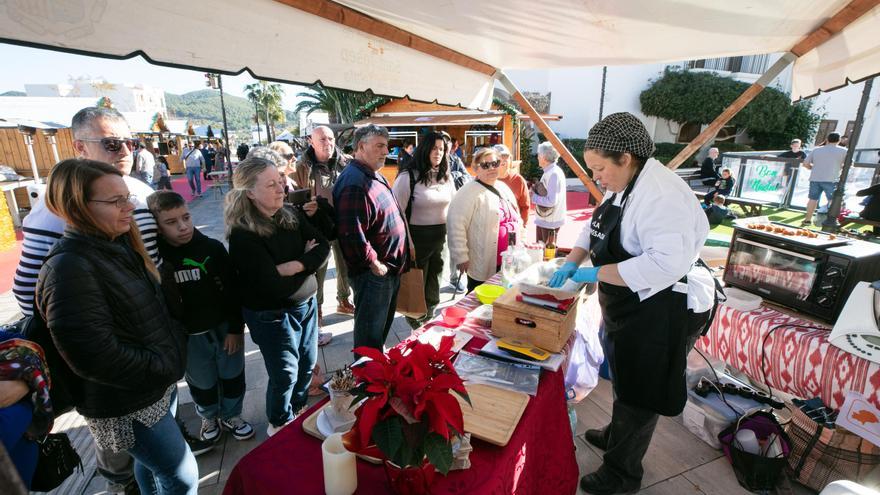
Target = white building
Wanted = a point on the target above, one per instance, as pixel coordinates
(125, 97)
(575, 94)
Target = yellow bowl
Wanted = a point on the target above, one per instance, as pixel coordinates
(487, 293)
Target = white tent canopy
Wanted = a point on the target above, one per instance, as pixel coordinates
(277, 41)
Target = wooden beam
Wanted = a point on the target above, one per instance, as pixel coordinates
(550, 135)
(846, 16)
(349, 17)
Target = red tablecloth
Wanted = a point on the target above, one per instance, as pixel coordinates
(539, 459)
(797, 361)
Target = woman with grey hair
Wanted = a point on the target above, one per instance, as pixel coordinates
(549, 195)
(276, 254)
(656, 296)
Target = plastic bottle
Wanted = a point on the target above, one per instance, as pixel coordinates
(773, 448)
(748, 442)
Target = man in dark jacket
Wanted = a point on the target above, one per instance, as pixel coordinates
(708, 172)
(317, 170)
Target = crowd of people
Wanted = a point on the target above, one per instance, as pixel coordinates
(126, 296)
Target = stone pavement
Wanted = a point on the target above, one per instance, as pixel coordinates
(677, 462)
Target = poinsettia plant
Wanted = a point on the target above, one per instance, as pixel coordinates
(408, 411)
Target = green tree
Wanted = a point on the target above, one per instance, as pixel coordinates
(266, 98)
(699, 97)
(341, 105)
(801, 123)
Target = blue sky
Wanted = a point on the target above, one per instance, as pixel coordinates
(35, 66)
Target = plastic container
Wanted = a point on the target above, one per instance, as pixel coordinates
(747, 442)
(742, 300)
(487, 293)
(453, 316)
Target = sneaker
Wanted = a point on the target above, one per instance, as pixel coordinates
(240, 429)
(272, 429)
(209, 430)
(324, 338)
(196, 445)
(344, 307)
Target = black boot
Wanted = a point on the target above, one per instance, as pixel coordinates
(597, 438)
(603, 483)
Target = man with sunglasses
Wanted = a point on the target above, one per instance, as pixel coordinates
(100, 134)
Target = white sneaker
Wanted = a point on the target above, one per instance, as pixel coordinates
(272, 429)
(240, 429)
(209, 430)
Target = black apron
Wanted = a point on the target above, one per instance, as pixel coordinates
(645, 340)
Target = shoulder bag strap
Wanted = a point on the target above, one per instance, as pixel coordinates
(412, 192)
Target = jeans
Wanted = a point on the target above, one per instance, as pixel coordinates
(288, 340)
(375, 299)
(14, 422)
(215, 377)
(428, 241)
(343, 290)
(194, 179)
(163, 462)
(818, 187)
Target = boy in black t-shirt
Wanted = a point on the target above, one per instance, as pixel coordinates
(197, 275)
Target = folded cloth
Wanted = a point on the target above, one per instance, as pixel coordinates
(544, 302)
(24, 360)
(563, 304)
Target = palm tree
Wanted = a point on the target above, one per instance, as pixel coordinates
(341, 105)
(266, 98)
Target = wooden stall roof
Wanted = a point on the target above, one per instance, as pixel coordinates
(416, 119)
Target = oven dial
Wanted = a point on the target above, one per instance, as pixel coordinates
(833, 272)
(824, 301)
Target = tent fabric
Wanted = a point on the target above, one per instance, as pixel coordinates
(278, 42)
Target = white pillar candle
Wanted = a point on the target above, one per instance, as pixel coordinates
(340, 469)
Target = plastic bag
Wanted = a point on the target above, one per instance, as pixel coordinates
(582, 374)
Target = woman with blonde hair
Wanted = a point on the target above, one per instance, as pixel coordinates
(276, 253)
(481, 217)
(99, 294)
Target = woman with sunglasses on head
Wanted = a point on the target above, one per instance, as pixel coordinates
(644, 243)
(424, 191)
(99, 294)
(481, 217)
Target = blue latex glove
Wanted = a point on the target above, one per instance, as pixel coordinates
(586, 274)
(563, 274)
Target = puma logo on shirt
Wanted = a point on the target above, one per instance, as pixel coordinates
(194, 274)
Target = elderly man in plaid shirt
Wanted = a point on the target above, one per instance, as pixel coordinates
(372, 235)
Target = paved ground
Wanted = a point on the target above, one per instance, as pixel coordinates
(677, 462)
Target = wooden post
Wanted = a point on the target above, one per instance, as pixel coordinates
(834, 25)
(738, 104)
(550, 135)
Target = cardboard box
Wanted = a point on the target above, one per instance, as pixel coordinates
(546, 329)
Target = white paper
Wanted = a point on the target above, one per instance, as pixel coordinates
(860, 417)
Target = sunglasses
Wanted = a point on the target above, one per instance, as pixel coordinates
(120, 202)
(113, 145)
(488, 165)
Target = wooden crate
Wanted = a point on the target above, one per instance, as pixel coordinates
(546, 329)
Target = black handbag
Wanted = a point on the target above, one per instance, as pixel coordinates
(56, 462)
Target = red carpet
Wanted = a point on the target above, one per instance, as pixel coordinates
(578, 215)
(181, 186)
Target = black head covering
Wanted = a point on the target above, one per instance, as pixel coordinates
(621, 132)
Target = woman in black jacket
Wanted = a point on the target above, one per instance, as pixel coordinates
(99, 294)
(276, 252)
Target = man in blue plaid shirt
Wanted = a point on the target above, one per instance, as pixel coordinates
(372, 235)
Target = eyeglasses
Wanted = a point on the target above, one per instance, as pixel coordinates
(120, 202)
(113, 145)
(488, 165)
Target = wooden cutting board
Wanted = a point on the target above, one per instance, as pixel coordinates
(495, 414)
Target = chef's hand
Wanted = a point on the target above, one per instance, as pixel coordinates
(586, 274)
(563, 274)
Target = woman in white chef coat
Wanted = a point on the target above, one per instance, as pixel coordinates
(644, 242)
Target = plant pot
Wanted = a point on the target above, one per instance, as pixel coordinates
(410, 480)
(339, 403)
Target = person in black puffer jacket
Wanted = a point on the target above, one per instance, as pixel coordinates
(99, 293)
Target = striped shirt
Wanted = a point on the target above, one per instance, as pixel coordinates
(42, 229)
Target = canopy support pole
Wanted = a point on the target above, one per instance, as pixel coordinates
(830, 224)
(550, 135)
(852, 11)
(738, 104)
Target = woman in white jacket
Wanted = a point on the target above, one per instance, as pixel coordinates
(481, 216)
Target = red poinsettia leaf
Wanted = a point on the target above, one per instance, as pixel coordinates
(402, 409)
(372, 353)
(367, 419)
(450, 410)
